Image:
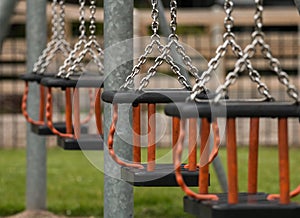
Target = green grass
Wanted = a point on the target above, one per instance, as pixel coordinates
(75, 187)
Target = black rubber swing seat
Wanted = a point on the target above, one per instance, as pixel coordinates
(162, 176)
(60, 126)
(82, 81)
(148, 96)
(233, 109)
(85, 142)
(33, 77)
(249, 206)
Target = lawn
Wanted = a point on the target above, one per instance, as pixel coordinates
(75, 187)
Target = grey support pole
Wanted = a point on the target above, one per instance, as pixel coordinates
(6, 11)
(36, 36)
(118, 26)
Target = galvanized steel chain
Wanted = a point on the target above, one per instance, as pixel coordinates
(61, 44)
(79, 45)
(91, 46)
(258, 39)
(52, 42)
(165, 55)
(155, 41)
(241, 64)
(179, 48)
(228, 40)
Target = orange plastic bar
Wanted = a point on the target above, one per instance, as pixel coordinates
(175, 133)
(76, 113)
(284, 173)
(232, 162)
(91, 110)
(177, 164)
(49, 117)
(253, 155)
(151, 137)
(192, 145)
(204, 167)
(98, 112)
(42, 104)
(69, 127)
(24, 108)
(110, 141)
(136, 126)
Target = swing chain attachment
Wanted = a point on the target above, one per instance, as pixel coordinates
(91, 47)
(228, 40)
(57, 42)
(258, 39)
(53, 40)
(241, 64)
(165, 55)
(79, 45)
(179, 48)
(155, 41)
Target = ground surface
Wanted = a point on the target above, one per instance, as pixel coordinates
(38, 214)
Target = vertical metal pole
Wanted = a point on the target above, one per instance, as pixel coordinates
(36, 36)
(118, 26)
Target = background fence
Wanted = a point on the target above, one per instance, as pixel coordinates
(200, 29)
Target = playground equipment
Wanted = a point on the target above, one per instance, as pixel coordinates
(56, 46)
(73, 75)
(153, 174)
(233, 203)
(70, 76)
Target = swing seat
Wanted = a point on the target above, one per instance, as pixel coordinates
(60, 126)
(85, 142)
(163, 176)
(249, 206)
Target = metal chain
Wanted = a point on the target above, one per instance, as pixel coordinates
(79, 45)
(155, 42)
(258, 39)
(91, 46)
(52, 42)
(165, 55)
(242, 63)
(179, 48)
(61, 44)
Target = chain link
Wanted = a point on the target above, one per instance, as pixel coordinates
(155, 42)
(258, 39)
(241, 64)
(165, 55)
(52, 42)
(61, 44)
(83, 47)
(79, 45)
(57, 42)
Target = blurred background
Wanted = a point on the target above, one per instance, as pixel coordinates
(200, 26)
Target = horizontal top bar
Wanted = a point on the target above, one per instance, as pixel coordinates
(82, 81)
(147, 96)
(33, 77)
(232, 109)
